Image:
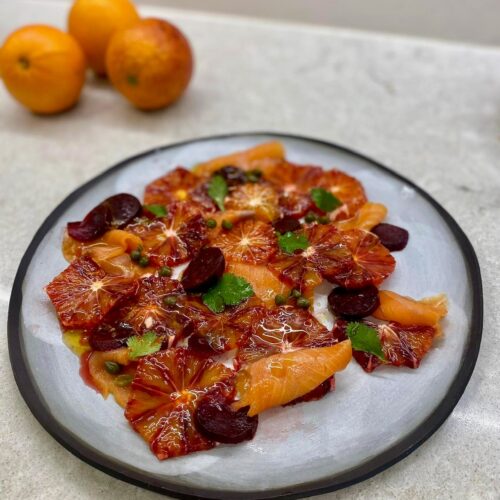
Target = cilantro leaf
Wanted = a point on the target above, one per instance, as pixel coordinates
(142, 345)
(364, 338)
(324, 200)
(156, 209)
(217, 189)
(289, 242)
(230, 290)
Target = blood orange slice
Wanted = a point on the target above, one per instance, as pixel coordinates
(149, 311)
(327, 255)
(402, 345)
(166, 391)
(373, 262)
(261, 198)
(172, 187)
(408, 311)
(84, 293)
(294, 183)
(281, 378)
(249, 241)
(173, 239)
(347, 189)
(279, 330)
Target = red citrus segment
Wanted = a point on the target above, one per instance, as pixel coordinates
(170, 188)
(402, 345)
(249, 241)
(166, 391)
(278, 379)
(84, 293)
(213, 333)
(373, 263)
(173, 239)
(260, 198)
(294, 183)
(326, 256)
(407, 311)
(347, 189)
(148, 311)
(279, 330)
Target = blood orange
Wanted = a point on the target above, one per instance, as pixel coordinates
(84, 293)
(166, 391)
(249, 241)
(260, 198)
(294, 183)
(173, 239)
(279, 330)
(373, 262)
(347, 189)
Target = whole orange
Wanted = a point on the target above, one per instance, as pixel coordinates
(150, 63)
(93, 23)
(43, 68)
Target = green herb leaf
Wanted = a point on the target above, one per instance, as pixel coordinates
(156, 209)
(142, 345)
(289, 242)
(217, 189)
(231, 290)
(366, 339)
(324, 200)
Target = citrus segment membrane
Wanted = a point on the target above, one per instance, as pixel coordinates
(166, 391)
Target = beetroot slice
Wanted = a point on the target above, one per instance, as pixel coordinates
(353, 304)
(286, 224)
(114, 212)
(394, 238)
(204, 270)
(216, 420)
(233, 175)
(110, 336)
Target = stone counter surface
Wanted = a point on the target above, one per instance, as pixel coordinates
(429, 110)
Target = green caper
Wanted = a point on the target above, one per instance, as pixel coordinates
(303, 303)
(123, 380)
(211, 223)
(170, 300)
(324, 219)
(135, 255)
(144, 261)
(227, 224)
(310, 217)
(112, 367)
(295, 293)
(165, 271)
(279, 300)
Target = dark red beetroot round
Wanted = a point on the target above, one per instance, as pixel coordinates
(109, 336)
(204, 270)
(116, 211)
(394, 238)
(286, 224)
(353, 304)
(233, 175)
(216, 420)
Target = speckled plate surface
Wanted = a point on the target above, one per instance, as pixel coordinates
(366, 425)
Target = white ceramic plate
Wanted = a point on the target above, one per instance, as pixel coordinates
(371, 420)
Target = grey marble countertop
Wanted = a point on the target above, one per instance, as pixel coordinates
(430, 110)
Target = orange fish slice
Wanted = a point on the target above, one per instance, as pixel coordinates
(407, 311)
(281, 378)
(367, 217)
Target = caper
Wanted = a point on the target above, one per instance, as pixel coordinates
(165, 271)
(170, 300)
(135, 255)
(123, 380)
(144, 261)
(227, 224)
(295, 293)
(324, 219)
(211, 223)
(279, 300)
(303, 303)
(310, 217)
(112, 367)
